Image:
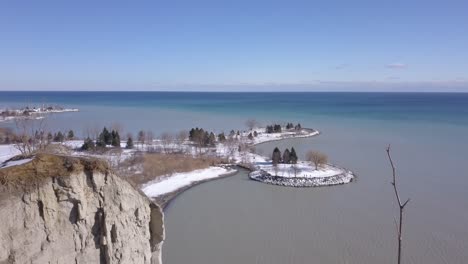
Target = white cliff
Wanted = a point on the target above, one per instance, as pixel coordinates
(58, 209)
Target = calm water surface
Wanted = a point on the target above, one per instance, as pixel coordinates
(235, 220)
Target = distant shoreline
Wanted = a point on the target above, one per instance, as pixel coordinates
(33, 113)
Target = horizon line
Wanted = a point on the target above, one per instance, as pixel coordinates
(236, 91)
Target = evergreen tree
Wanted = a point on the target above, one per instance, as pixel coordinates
(250, 136)
(106, 136)
(129, 143)
(141, 137)
(276, 157)
(100, 141)
(211, 139)
(192, 134)
(255, 134)
(277, 128)
(286, 156)
(50, 137)
(59, 137)
(221, 137)
(88, 144)
(206, 138)
(293, 156)
(115, 138)
(70, 135)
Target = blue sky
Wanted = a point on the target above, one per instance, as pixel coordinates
(234, 45)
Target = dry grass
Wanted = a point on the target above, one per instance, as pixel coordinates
(156, 165)
(58, 149)
(45, 166)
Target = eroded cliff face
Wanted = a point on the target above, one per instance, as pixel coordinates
(73, 210)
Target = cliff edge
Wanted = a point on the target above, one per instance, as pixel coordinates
(60, 209)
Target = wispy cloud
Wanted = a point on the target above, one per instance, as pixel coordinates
(396, 65)
(341, 66)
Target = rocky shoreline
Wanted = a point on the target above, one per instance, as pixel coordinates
(264, 177)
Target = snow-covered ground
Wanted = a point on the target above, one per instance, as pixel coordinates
(8, 152)
(301, 169)
(263, 137)
(113, 156)
(14, 163)
(171, 183)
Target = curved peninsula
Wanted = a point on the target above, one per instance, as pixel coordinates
(307, 177)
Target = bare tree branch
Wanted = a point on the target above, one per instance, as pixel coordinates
(400, 205)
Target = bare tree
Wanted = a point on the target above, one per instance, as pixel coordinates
(251, 123)
(317, 158)
(30, 135)
(166, 140)
(95, 130)
(141, 138)
(149, 138)
(115, 158)
(182, 136)
(275, 168)
(295, 168)
(401, 205)
(231, 146)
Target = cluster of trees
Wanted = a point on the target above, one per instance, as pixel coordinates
(104, 139)
(7, 136)
(287, 157)
(290, 157)
(58, 137)
(275, 128)
(30, 136)
(201, 137)
(108, 138)
(291, 126)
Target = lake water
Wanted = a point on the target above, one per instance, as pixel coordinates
(235, 220)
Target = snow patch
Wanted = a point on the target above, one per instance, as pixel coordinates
(171, 183)
(7, 152)
(14, 163)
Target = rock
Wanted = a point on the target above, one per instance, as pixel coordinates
(86, 214)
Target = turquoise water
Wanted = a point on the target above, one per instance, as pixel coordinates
(443, 108)
(235, 220)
